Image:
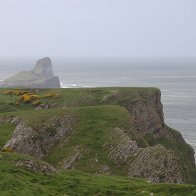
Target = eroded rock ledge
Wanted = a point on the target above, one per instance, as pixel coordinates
(38, 140)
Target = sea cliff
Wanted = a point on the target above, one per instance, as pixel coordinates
(117, 131)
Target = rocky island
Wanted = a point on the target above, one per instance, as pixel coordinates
(41, 76)
(81, 135)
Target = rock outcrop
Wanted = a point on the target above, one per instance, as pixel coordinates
(147, 114)
(145, 147)
(36, 166)
(41, 76)
(156, 163)
(38, 140)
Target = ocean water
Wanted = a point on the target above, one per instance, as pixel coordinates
(175, 77)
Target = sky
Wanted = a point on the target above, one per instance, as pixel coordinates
(98, 28)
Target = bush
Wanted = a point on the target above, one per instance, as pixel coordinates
(7, 149)
(28, 98)
(15, 92)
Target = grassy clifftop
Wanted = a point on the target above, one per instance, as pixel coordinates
(114, 131)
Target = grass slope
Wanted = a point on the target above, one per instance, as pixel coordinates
(5, 133)
(93, 129)
(18, 181)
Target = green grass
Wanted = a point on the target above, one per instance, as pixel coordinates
(32, 117)
(92, 130)
(18, 181)
(78, 97)
(6, 131)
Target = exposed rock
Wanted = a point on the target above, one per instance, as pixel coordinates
(36, 166)
(75, 156)
(147, 114)
(158, 165)
(121, 147)
(104, 169)
(41, 76)
(42, 106)
(37, 141)
(154, 163)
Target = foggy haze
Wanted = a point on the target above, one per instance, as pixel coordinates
(98, 28)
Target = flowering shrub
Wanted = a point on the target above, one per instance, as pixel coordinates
(28, 98)
(16, 92)
(7, 149)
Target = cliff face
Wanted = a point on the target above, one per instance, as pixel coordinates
(150, 129)
(156, 163)
(124, 134)
(41, 76)
(146, 116)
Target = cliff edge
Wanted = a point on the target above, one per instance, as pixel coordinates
(117, 131)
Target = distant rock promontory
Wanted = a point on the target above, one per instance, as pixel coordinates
(41, 76)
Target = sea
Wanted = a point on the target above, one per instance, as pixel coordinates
(175, 77)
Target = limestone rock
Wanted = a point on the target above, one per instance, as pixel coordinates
(121, 147)
(75, 156)
(158, 165)
(36, 166)
(37, 141)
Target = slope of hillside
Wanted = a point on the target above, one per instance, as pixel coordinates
(115, 131)
(17, 179)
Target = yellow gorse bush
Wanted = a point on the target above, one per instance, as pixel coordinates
(27, 98)
(16, 92)
(7, 149)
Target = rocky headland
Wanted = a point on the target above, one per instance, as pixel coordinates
(41, 76)
(117, 131)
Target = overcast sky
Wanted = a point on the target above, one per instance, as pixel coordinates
(98, 28)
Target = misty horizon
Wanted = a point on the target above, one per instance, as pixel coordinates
(98, 29)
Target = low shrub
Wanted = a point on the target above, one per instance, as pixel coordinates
(7, 149)
(28, 98)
